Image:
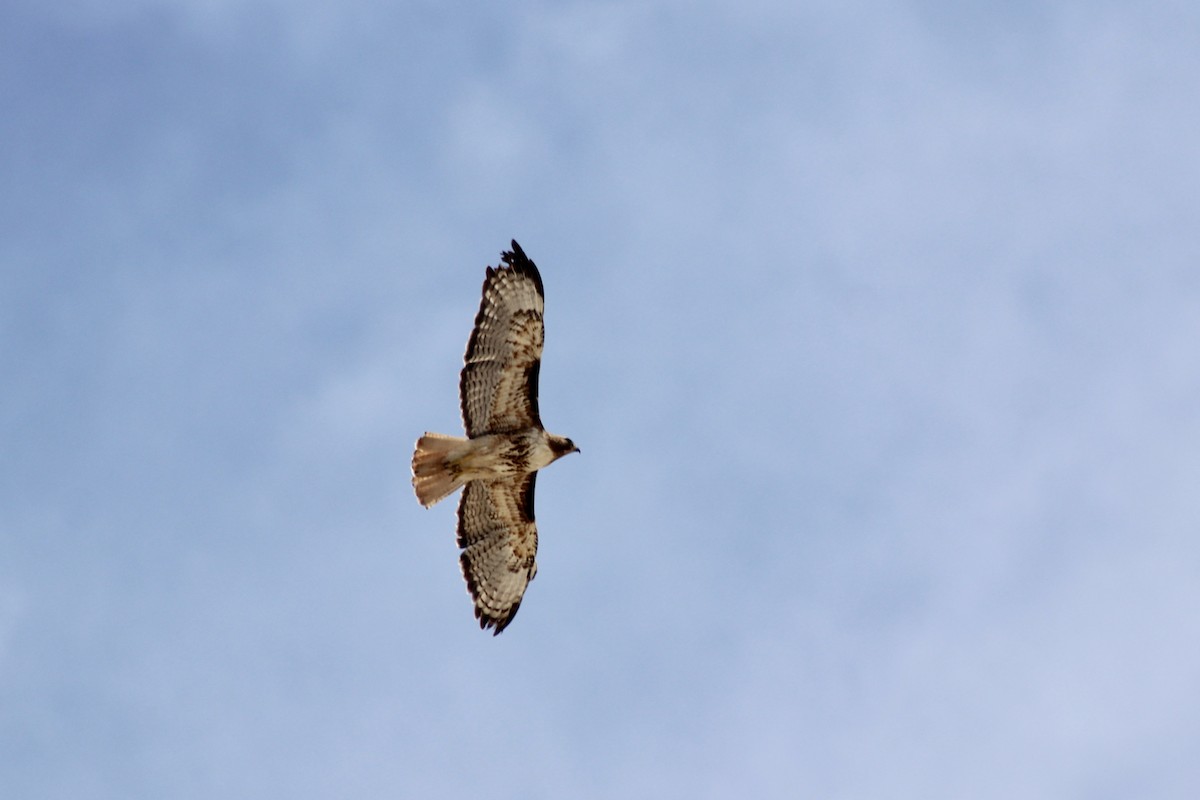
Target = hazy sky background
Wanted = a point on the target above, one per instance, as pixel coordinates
(877, 323)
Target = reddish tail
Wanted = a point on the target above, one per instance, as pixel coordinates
(435, 474)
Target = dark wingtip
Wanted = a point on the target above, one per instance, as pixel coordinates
(497, 624)
(516, 256)
(502, 622)
(517, 261)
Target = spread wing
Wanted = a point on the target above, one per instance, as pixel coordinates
(499, 382)
(498, 535)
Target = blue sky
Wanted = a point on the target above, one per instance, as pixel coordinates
(876, 323)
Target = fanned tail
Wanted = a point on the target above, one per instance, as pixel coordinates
(435, 473)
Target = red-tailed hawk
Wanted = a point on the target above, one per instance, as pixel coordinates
(505, 446)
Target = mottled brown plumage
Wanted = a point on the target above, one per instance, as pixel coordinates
(506, 444)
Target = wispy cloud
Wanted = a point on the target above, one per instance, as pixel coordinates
(875, 324)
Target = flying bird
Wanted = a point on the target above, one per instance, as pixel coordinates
(497, 462)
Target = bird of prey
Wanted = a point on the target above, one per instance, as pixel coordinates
(505, 446)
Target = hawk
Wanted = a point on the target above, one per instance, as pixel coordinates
(497, 462)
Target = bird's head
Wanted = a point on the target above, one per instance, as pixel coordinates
(561, 446)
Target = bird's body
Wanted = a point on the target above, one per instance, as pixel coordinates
(444, 463)
(505, 446)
